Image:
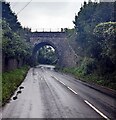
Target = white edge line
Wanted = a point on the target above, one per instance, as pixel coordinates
(72, 90)
(96, 110)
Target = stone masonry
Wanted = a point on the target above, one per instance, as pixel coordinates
(58, 40)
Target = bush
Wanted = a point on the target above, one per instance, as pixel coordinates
(87, 66)
(93, 77)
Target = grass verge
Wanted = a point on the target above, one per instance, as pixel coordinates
(107, 80)
(10, 81)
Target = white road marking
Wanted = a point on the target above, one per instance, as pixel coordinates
(72, 90)
(65, 85)
(55, 78)
(84, 100)
(58, 80)
(96, 110)
(62, 83)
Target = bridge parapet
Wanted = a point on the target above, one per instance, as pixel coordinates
(37, 37)
(48, 34)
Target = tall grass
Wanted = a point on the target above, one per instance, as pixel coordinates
(10, 81)
(109, 82)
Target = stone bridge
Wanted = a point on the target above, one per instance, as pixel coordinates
(58, 40)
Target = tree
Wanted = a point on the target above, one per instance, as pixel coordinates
(105, 33)
(15, 39)
(47, 55)
(10, 17)
(13, 45)
(88, 17)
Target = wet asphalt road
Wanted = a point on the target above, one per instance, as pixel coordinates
(49, 94)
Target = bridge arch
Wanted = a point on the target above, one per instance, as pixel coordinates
(59, 41)
(42, 44)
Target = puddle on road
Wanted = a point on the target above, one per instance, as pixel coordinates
(21, 87)
(14, 98)
(18, 92)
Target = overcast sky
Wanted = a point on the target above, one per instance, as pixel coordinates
(54, 14)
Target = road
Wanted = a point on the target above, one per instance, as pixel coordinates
(49, 94)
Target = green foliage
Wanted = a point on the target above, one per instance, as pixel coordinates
(10, 17)
(15, 39)
(15, 44)
(105, 35)
(10, 81)
(95, 28)
(88, 17)
(47, 55)
(105, 30)
(96, 35)
(12, 44)
(91, 78)
(87, 66)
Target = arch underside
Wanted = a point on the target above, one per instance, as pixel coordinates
(41, 44)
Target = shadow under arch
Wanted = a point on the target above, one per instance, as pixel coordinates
(37, 47)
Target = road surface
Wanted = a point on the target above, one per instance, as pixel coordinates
(49, 94)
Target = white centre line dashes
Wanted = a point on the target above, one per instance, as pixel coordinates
(72, 90)
(62, 83)
(65, 85)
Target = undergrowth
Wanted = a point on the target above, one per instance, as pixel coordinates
(107, 80)
(10, 81)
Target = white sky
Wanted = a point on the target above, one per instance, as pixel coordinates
(47, 14)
